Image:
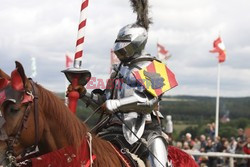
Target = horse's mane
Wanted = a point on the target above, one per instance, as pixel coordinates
(55, 109)
(74, 129)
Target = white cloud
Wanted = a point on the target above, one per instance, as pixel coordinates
(47, 30)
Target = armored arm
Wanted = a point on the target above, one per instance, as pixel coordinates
(137, 102)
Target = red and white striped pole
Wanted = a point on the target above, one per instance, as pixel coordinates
(81, 35)
(77, 75)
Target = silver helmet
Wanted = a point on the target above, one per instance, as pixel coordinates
(130, 42)
(132, 38)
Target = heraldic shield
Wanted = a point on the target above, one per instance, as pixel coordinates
(157, 78)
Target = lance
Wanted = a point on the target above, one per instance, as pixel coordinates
(77, 75)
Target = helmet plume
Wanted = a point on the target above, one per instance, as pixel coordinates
(141, 8)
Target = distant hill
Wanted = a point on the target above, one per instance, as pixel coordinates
(189, 108)
(194, 108)
(192, 114)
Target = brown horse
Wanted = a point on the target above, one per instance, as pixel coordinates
(34, 116)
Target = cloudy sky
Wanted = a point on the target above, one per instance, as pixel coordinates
(47, 31)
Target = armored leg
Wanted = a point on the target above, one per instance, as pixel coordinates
(158, 155)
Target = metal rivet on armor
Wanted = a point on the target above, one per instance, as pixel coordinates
(49, 165)
(73, 155)
(39, 158)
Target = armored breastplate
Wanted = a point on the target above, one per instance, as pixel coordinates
(125, 83)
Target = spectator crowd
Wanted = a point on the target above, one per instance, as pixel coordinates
(240, 144)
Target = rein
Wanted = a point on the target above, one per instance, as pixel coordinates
(10, 155)
(101, 121)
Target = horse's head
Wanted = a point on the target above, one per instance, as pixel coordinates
(16, 104)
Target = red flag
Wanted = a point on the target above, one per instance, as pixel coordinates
(68, 61)
(163, 54)
(219, 47)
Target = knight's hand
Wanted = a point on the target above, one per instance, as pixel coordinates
(79, 88)
(111, 106)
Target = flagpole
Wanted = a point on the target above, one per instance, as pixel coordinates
(217, 102)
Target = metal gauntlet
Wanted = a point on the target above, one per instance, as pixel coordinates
(93, 99)
(138, 102)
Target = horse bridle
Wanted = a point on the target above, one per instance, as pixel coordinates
(10, 155)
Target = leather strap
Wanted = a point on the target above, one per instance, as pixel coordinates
(36, 112)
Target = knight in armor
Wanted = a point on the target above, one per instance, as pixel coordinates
(134, 121)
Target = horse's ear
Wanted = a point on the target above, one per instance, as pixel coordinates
(4, 75)
(3, 83)
(18, 77)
